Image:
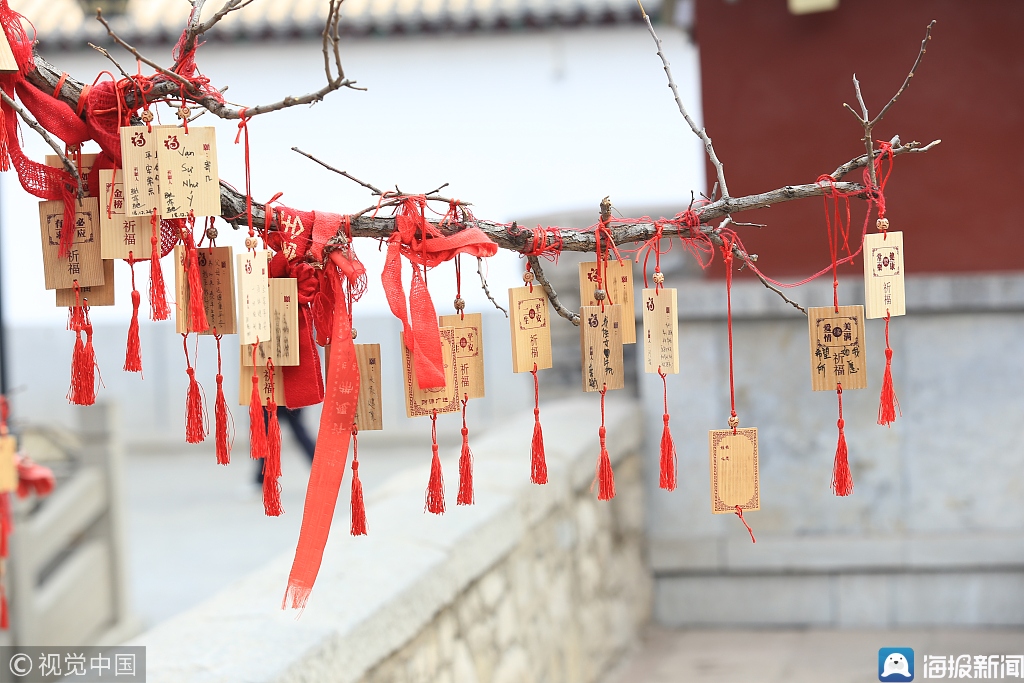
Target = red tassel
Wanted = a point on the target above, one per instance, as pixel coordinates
(605, 475)
(435, 488)
(5, 621)
(538, 461)
(465, 463)
(223, 417)
(159, 310)
(668, 447)
(83, 366)
(272, 462)
(257, 430)
(133, 351)
(196, 309)
(195, 412)
(888, 404)
(6, 522)
(842, 480)
(358, 527)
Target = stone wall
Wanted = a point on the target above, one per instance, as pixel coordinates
(530, 584)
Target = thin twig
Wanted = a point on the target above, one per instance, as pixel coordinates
(699, 132)
(106, 54)
(552, 295)
(69, 166)
(913, 70)
(138, 55)
(483, 283)
(351, 177)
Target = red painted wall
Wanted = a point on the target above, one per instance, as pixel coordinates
(774, 85)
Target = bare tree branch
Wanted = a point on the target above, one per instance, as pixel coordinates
(552, 295)
(368, 186)
(69, 166)
(483, 283)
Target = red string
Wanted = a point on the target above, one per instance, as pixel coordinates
(739, 513)
(458, 286)
(243, 128)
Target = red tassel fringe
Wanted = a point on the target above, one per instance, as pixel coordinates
(465, 464)
(133, 351)
(195, 412)
(668, 447)
(605, 475)
(83, 361)
(222, 416)
(159, 310)
(435, 488)
(272, 465)
(538, 460)
(5, 620)
(842, 479)
(196, 309)
(358, 525)
(888, 404)
(257, 430)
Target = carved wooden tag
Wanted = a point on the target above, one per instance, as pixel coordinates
(83, 263)
(120, 235)
(883, 275)
(837, 347)
(619, 288)
(95, 295)
(253, 297)
(216, 272)
(8, 468)
(369, 416)
(188, 171)
(469, 352)
(531, 332)
(601, 347)
(661, 330)
(735, 481)
(8, 64)
(420, 402)
(245, 384)
(141, 169)
(86, 162)
(283, 344)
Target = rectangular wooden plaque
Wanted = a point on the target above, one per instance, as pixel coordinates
(85, 167)
(8, 64)
(469, 352)
(735, 481)
(121, 235)
(188, 172)
(619, 288)
(661, 330)
(83, 263)
(245, 384)
(837, 347)
(531, 332)
(253, 297)
(141, 169)
(601, 347)
(883, 275)
(422, 402)
(283, 344)
(8, 468)
(216, 272)
(369, 416)
(95, 295)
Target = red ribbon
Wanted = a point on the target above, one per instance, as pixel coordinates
(336, 424)
(425, 246)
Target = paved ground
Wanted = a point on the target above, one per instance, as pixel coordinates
(193, 527)
(793, 656)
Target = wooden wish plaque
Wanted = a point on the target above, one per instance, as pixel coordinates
(661, 330)
(8, 467)
(469, 352)
(529, 321)
(735, 481)
(369, 416)
(619, 288)
(601, 347)
(121, 236)
(283, 344)
(263, 385)
(837, 347)
(83, 262)
(141, 169)
(253, 297)
(8, 64)
(94, 295)
(423, 402)
(188, 171)
(883, 275)
(216, 273)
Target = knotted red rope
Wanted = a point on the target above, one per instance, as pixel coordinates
(888, 404)
(425, 246)
(434, 499)
(133, 349)
(357, 526)
(223, 422)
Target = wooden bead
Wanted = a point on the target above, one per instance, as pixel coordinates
(250, 242)
(527, 277)
(460, 304)
(183, 112)
(734, 422)
(882, 224)
(146, 116)
(599, 295)
(355, 333)
(659, 277)
(211, 233)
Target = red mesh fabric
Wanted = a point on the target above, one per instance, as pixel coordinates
(54, 115)
(104, 118)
